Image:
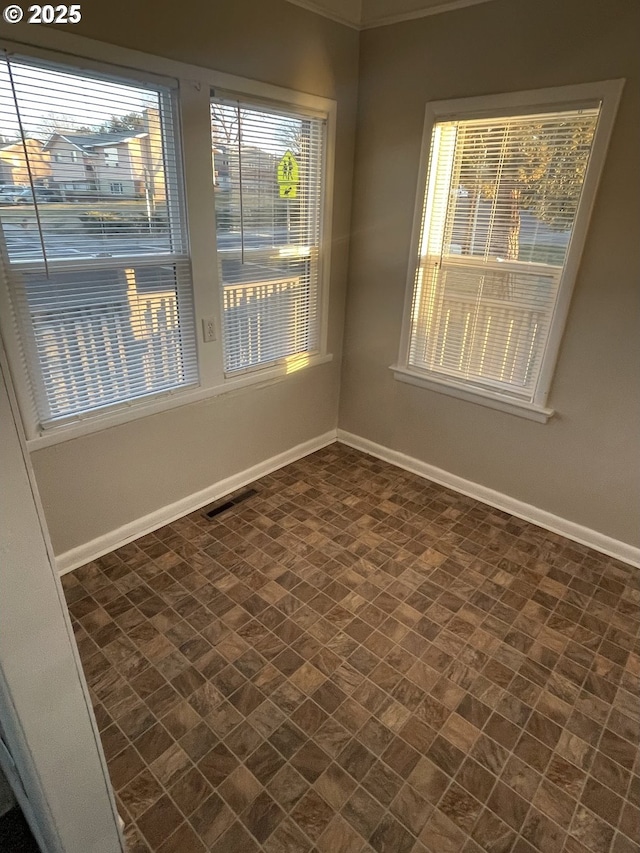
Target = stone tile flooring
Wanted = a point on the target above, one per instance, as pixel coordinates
(355, 660)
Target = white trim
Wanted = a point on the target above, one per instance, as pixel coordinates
(54, 755)
(512, 406)
(526, 101)
(358, 20)
(75, 557)
(70, 560)
(445, 6)
(172, 400)
(605, 92)
(352, 21)
(328, 114)
(576, 532)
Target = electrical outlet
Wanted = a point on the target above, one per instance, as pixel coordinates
(208, 329)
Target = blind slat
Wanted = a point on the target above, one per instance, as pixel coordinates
(94, 234)
(268, 239)
(500, 205)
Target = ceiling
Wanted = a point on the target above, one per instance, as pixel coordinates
(364, 14)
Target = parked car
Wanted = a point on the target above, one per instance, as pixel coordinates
(9, 192)
(42, 195)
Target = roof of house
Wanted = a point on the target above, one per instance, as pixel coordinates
(94, 140)
(14, 142)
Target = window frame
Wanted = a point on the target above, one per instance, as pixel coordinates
(295, 110)
(177, 256)
(608, 93)
(194, 84)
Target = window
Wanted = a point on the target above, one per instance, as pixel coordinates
(101, 294)
(501, 225)
(111, 158)
(109, 309)
(269, 180)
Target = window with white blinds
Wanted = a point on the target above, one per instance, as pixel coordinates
(501, 201)
(269, 182)
(94, 240)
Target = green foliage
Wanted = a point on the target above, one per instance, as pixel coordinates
(541, 165)
(553, 170)
(130, 121)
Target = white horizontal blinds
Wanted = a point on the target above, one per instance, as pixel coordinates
(500, 205)
(93, 229)
(268, 166)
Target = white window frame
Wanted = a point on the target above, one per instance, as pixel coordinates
(299, 359)
(111, 158)
(194, 84)
(608, 92)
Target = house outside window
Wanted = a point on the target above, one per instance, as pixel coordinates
(117, 187)
(500, 222)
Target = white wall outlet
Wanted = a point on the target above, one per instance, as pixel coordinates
(208, 329)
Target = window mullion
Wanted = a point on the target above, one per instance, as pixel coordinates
(200, 216)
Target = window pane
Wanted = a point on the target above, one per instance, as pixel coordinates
(516, 183)
(97, 153)
(485, 324)
(500, 206)
(108, 336)
(268, 191)
(92, 220)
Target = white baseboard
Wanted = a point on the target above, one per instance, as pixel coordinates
(75, 557)
(584, 535)
(72, 559)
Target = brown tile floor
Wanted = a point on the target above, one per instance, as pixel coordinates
(356, 659)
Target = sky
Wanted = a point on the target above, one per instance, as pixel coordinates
(44, 94)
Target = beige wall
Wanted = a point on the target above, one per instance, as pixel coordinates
(95, 484)
(583, 464)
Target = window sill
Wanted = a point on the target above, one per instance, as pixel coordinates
(520, 408)
(172, 400)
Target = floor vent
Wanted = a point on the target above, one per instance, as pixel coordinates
(216, 509)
